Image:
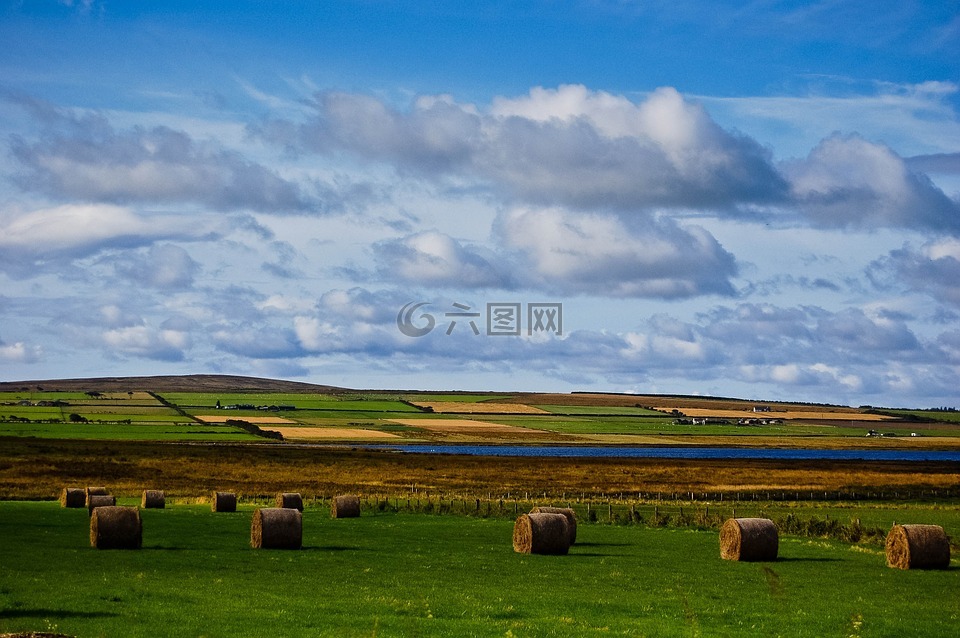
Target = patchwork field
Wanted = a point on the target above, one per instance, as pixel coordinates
(257, 420)
(478, 407)
(431, 554)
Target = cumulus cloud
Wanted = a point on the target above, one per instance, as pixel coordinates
(595, 151)
(146, 342)
(32, 240)
(604, 255)
(849, 182)
(933, 268)
(567, 146)
(86, 158)
(164, 266)
(19, 352)
(435, 259)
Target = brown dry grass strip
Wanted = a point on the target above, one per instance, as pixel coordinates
(40, 469)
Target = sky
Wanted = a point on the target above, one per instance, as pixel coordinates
(755, 199)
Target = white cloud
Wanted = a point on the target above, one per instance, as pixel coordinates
(933, 268)
(603, 255)
(848, 182)
(19, 352)
(31, 241)
(432, 258)
(84, 158)
(570, 146)
(146, 342)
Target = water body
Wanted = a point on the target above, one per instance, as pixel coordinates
(676, 452)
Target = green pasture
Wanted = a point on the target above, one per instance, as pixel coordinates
(192, 401)
(665, 425)
(128, 432)
(389, 574)
(6, 397)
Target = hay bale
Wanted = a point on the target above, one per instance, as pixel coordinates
(100, 500)
(541, 533)
(73, 497)
(566, 511)
(153, 499)
(224, 502)
(116, 528)
(918, 547)
(749, 539)
(276, 528)
(93, 491)
(290, 500)
(345, 506)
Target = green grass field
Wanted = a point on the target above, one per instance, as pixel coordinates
(125, 432)
(424, 575)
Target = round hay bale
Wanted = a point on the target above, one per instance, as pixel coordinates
(345, 506)
(290, 500)
(116, 528)
(153, 499)
(541, 533)
(749, 539)
(93, 491)
(100, 500)
(566, 511)
(224, 502)
(73, 497)
(918, 547)
(276, 528)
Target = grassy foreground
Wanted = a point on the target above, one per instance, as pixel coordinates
(413, 574)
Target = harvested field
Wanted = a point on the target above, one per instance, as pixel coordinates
(333, 434)
(459, 425)
(256, 420)
(461, 407)
(784, 414)
(467, 430)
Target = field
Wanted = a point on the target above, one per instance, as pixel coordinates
(396, 574)
(339, 415)
(431, 554)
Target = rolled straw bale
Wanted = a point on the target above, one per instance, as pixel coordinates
(345, 506)
(541, 533)
(93, 491)
(290, 500)
(73, 497)
(224, 502)
(116, 528)
(749, 539)
(566, 511)
(100, 500)
(276, 528)
(153, 499)
(918, 547)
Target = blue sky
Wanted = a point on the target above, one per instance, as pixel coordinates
(756, 199)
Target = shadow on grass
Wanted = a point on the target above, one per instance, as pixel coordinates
(330, 548)
(54, 613)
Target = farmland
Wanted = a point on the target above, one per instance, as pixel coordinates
(431, 554)
(340, 415)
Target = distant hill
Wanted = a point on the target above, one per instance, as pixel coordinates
(169, 383)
